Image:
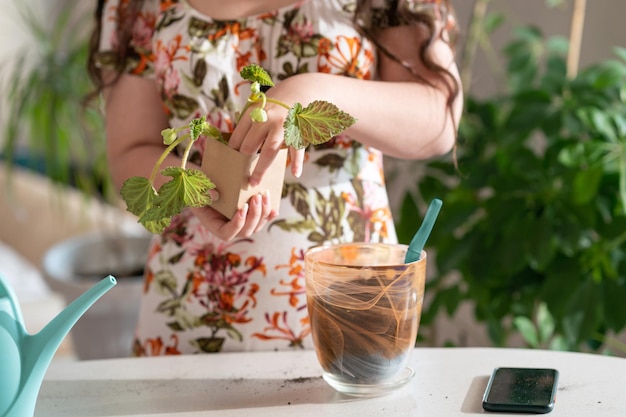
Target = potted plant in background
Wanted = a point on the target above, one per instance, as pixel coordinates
(59, 207)
(47, 128)
(534, 230)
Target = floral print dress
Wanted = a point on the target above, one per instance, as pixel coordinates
(203, 294)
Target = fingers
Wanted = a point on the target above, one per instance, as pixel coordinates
(249, 219)
(266, 158)
(265, 138)
(267, 214)
(252, 216)
(297, 161)
(214, 194)
(218, 224)
(241, 131)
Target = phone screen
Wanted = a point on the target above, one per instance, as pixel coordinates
(524, 390)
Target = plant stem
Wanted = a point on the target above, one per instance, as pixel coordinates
(170, 148)
(473, 38)
(280, 103)
(264, 98)
(185, 157)
(575, 38)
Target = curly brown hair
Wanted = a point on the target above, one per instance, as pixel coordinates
(399, 12)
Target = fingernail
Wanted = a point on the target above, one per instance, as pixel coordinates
(214, 194)
(244, 210)
(297, 171)
(253, 182)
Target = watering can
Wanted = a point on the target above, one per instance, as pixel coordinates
(24, 358)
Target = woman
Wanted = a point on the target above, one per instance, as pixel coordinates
(214, 284)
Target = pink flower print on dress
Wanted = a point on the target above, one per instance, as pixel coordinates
(166, 53)
(301, 31)
(143, 31)
(371, 208)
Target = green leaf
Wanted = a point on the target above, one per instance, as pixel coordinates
(539, 242)
(318, 123)
(187, 188)
(255, 73)
(197, 127)
(620, 52)
(559, 343)
(527, 330)
(153, 222)
(138, 194)
(558, 45)
(586, 183)
(409, 219)
(613, 306)
(529, 33)
(554, 3)
(493, 21)
(545, 323)
(584, 313)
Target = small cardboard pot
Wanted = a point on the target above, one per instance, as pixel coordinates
(230, 170)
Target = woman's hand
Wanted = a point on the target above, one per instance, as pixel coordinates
(268, 137)
(247, 220)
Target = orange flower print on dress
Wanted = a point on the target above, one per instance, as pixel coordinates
(218, 284)
(348, 57)
(155, 347)
(294, 289)
(279, 329)
(222, 285)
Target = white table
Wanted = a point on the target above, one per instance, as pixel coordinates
(448, 382)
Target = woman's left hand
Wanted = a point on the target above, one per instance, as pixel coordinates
(267, 137)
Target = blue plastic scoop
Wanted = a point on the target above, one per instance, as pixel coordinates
(420, 238)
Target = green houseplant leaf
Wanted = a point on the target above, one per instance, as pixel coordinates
(187, 188)
(319, 122)
(139, 195)
(255, 73)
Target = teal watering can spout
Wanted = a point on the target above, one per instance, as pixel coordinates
(25, 358)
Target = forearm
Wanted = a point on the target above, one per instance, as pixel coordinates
(134, 121)
(140, 160)
(405, 119)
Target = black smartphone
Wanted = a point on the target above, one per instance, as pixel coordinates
(521, 390)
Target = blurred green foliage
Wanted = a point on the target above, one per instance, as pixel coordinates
(48, 128)
(534, 222)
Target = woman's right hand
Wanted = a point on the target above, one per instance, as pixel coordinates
(249, 219)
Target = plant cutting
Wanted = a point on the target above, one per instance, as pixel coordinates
(314, 124)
